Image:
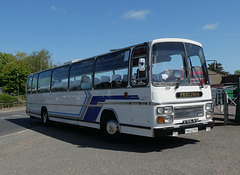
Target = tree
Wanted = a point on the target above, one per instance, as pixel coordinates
(15, 69)
(217, 67)
(14, 76)
(20, 55)
(237, 72)
(38, 60)
(5, 58)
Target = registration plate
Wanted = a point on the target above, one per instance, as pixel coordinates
(191, 130)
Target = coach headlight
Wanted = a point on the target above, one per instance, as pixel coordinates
(209, 110)
(165, 110)
(160, 110)
(168, 119)
(209, 107)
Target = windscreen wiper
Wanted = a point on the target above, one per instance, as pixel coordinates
(177, 83)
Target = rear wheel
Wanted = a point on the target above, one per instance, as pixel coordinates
(110, 128)
(45, 119)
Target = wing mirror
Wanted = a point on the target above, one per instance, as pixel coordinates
(141, 64)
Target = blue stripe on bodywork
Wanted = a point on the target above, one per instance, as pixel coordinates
(92, 112)
(71, 113)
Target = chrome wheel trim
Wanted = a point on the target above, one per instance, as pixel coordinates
(112, 127)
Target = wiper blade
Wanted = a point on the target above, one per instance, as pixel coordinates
(177, 83)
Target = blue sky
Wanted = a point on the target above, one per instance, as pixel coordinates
(77, 29)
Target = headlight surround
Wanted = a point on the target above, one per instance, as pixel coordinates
(166, 114)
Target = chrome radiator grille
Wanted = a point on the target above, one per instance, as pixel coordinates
(188, 112)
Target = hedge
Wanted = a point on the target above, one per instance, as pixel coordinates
(4, 98)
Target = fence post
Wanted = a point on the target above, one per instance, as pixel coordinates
(225, 98)
(237, 116)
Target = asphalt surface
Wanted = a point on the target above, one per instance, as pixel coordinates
(26, 147)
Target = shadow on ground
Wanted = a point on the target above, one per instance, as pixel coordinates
(85, 137)
(220, 121)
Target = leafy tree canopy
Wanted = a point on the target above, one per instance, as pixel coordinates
(38, 60)
(237, 72)
(15, 69)
(14, 76)
(5, 58)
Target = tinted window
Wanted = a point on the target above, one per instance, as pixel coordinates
(44, 81)
(60, 79)
(81, 75)
(29, 83)
(34, 83)
(111, 71)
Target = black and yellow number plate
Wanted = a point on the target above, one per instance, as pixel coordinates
(188, 94)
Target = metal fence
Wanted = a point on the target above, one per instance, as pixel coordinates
(223, 98)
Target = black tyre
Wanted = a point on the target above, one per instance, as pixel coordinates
(110, 128)
(45, 119)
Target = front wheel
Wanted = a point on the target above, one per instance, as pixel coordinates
(110, 129)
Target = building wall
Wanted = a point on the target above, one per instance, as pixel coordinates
(215, 78)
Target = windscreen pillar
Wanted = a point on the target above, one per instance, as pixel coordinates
(237, 116)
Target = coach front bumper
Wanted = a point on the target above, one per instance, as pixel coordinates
(181, 129)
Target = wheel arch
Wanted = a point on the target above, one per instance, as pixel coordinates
(44, 108)
(107, 112)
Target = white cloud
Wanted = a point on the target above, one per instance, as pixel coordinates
(140, 15)
(60, 10)
(210, 26)
(53, 8)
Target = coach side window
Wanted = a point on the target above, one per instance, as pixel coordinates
(60, 79)
(111, 71)
(29, 83)
(81, 75)
(34, 83)
(44, 81)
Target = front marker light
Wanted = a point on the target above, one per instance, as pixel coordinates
(160, 119)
